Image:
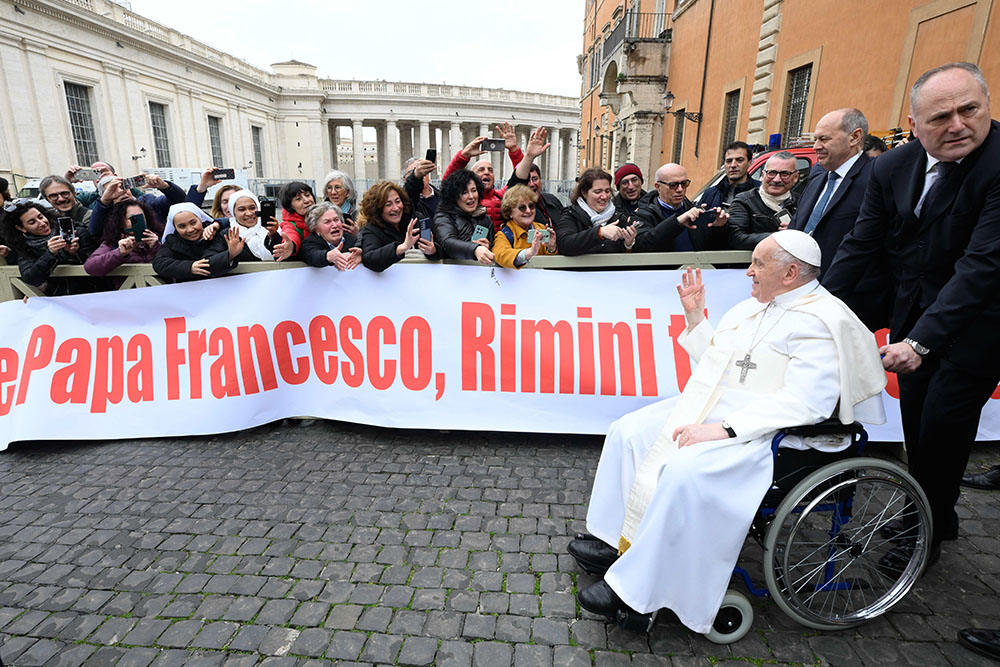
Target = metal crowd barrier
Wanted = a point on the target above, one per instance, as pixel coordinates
(142, 275)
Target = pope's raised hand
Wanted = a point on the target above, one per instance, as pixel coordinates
(692, 294)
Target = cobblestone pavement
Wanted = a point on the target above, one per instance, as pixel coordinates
(309, 545)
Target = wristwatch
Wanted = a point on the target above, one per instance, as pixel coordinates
(729, 429)
(917, 347)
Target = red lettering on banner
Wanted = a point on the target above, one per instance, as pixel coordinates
(175, 326)
(257, 335)
(415, 362)
(380, 330)
(508, 347)
(546, 332)
(197, 347)
(69, 384)
(323, 340)
(607, 334)
(38, 356)
(139, 383)
(286, 334)
(478, 360)
(109, 365)
(222, 376)
(352, 370)
(585, 334)
(647, 357)
(8, 373)
(682, 361)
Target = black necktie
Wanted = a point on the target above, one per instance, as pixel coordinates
(944, 169)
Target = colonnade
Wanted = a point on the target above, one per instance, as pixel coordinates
(398, 140)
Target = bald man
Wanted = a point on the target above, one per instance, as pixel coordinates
(687, 227)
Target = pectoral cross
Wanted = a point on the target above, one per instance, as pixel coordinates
(745, 367)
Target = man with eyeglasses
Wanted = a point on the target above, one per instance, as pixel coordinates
(736, 161)
(670, 222)
(61, 194)
(628, 181)
(756, 214)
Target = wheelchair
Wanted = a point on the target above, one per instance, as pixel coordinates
(824, 526)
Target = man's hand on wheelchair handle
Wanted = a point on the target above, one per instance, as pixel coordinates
(899, 358)
(692, 434)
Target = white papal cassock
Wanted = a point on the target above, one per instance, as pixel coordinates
(683, 514)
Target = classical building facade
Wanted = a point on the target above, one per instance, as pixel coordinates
(88, 79)
(677, 80)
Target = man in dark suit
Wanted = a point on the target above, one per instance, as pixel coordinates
(830, 203)
(933, 206)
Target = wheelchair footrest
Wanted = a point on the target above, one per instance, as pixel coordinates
(634, 621)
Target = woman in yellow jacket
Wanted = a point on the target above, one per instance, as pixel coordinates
(512, 247)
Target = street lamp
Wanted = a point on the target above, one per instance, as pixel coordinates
(668, 101)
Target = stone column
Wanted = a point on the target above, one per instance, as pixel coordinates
(423, 138)
(358, 142)
(381, 157)
(557, 154)
(334, 130)
(391, 151)
(406, 147)
(454, 140)
(574, 155)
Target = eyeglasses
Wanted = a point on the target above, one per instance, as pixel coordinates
(672, 185)
(14, 204)
(65, 194)
(785, 175)
(335, 187)
(524, 208)
(630, 180)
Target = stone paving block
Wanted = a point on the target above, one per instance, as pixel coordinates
(91, 601)
(549, 632)
(429, 598)
(513, 629)
(104, 656)
(312, 642)
(72, 656)
(454, 654)
(343, 616)
(243, 609)
(179, 634)
(492, 654)
(112, 631)
(215, 635)
(382, 649)
(527, 655)
(81, 628)
(145, 632)
(13, 647)
(833, 650)
(310, 614)
(213, 607)
(278, 641)
(374, 619)
(39, 653)
(277, 612)
(249, 637)
(610, 659)
(418, 651)
(444, 624)
(53, 625)
(479, 627)
(346, 645)
(138, 657)
(26, 622)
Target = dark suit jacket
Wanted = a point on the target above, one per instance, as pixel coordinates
(946, 264)
(872, 300)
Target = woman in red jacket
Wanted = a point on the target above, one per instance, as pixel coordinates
(296, 200)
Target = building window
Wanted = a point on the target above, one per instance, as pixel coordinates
(215, 139)
(678, 135)
(730, 120)
(81, 122)
(795, 106)
(595, 64)
(158, 119)
(258, 150)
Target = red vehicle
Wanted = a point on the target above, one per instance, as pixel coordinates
(805, 158)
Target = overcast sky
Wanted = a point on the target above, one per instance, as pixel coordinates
(526, 45)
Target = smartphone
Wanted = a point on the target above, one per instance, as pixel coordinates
(425, 229)
(543, 232)
(725, 206)
(431, 155)
(627, 221)
(492, 144)
(223, 174)
(268, 207)
(138, 226)
(708, 215)
(66, 230)
(480, 232)
(87, 175)
(783, 217)
(134, 182)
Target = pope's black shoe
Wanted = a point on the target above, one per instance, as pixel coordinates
(982, 641)
(988, 480)
(600, 599)
(897, 558)
(593, 555)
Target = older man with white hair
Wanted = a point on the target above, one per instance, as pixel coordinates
(679, 481)
(484, 169)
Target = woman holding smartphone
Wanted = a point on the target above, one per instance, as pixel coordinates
(131, 236)
(259, 239)
(385, 237)
(591, 223)
(186, 255)
(338, 188)
(522, 238)
(461, 225)
(42, 242)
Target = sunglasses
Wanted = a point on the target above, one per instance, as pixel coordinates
(675, 184)
(524, 208)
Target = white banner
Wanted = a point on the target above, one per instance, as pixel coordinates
(430, 346)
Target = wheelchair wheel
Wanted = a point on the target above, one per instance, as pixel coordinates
(822, 551)
(733, 621)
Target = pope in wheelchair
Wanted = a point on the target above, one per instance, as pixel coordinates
(680, 481)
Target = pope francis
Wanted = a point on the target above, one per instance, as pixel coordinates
(679, 481)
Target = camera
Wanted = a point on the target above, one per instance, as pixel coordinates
(490, 145)
(223, 174)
